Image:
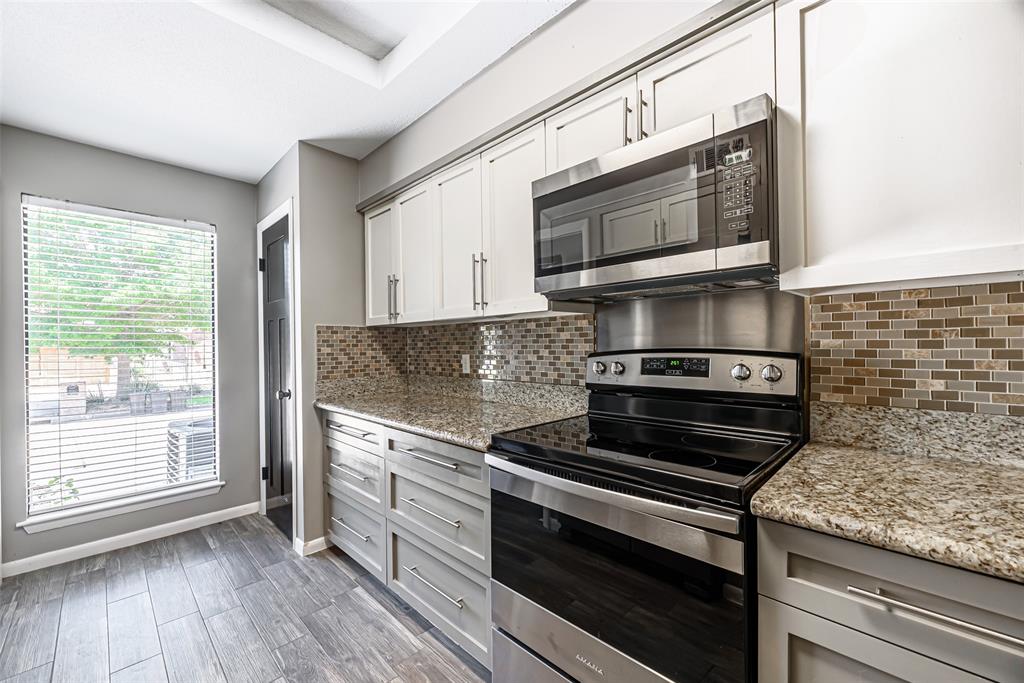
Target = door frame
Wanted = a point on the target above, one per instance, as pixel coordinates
(284, 209)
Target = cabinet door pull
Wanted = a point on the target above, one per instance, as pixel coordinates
(426, 458)
(390, 314)
(483, 289)
(394, 280)
(892, 603)
(349, 472)
(412, 501)
(349, 529)
(640, 117)
(348, 430)
(626, 111)
(475, 302)
(458, 602)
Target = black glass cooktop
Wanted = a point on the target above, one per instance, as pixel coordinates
(716, 464)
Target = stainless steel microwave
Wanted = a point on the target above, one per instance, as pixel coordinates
(691, 208)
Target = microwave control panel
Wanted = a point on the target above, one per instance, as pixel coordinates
(741, 192)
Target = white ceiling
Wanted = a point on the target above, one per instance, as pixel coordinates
(227, 86)
(373, 28)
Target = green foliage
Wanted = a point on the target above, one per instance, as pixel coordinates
(115, 289)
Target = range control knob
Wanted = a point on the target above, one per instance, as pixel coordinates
(618, 368)
(599, 367)
(740, 372)
(771, 373)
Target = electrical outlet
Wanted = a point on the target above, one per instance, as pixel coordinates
(465, 363)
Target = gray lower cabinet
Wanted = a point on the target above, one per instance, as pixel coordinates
(416, 514)
(452, 595)
(358, 531)
(450, 518)
(799, 647)
(836, 610)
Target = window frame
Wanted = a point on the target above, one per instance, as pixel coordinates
(84, 512)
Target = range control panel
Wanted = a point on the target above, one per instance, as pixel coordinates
(732, 372)
(675, 367)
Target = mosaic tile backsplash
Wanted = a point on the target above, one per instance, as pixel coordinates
(540, 350)
(344, 352)
(545, 350)
(945, 348)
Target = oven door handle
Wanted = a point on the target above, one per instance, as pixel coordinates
(706, 518)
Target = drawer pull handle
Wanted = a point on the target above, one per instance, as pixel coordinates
(412, 501)
(887, 602)
(349, 472)
(458, 602)
(348, 430)
(349, 529)
(426, 458)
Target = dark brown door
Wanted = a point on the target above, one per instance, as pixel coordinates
(277, 374)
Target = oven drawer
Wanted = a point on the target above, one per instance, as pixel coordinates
(456, 521)
(512, 663)
(581, 655)
(446, 591)
(354, 432)
(925, 607)
(359, 532)
(461, 467)
(357, 473)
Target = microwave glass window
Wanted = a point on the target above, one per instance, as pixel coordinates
(656, 209)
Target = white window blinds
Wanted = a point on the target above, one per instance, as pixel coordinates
(120, 370)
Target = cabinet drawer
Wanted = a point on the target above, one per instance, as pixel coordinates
(457, 521)
(359, 532)
(919, 605)
(357, 473)
(446, 591)
(460, 467)
(798, 647)
(354, 432)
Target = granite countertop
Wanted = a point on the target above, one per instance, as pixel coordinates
(957, 512)
(447, 412)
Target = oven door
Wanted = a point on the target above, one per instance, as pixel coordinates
(609, 586)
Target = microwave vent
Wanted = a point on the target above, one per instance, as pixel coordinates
(703, 159)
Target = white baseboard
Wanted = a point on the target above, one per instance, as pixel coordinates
(77, 552)
(314, 546)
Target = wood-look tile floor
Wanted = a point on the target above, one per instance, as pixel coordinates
(228, 602)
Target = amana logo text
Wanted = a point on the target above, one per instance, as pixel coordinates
(589, 664)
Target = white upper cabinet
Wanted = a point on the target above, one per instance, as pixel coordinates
(731, 66)
(508, 171)
(381, 264)
(598, 124)
(457, 240)
(415, 286)
(901, 142)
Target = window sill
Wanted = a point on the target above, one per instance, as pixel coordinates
(88, 513)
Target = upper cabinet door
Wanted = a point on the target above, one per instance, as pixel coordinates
(381, 243)
(457, 241)
(508, 170)
(729, 67)
(598, 124)
(415, 287)
(901, 142)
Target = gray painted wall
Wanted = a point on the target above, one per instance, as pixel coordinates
(52, 167)
(327, 240)
(580, 40)
(279, 183)
(330, 292)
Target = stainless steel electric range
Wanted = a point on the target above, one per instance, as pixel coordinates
(622, 542)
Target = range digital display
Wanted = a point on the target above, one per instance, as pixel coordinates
(676, 367)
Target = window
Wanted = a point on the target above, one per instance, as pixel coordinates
(120, 363)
